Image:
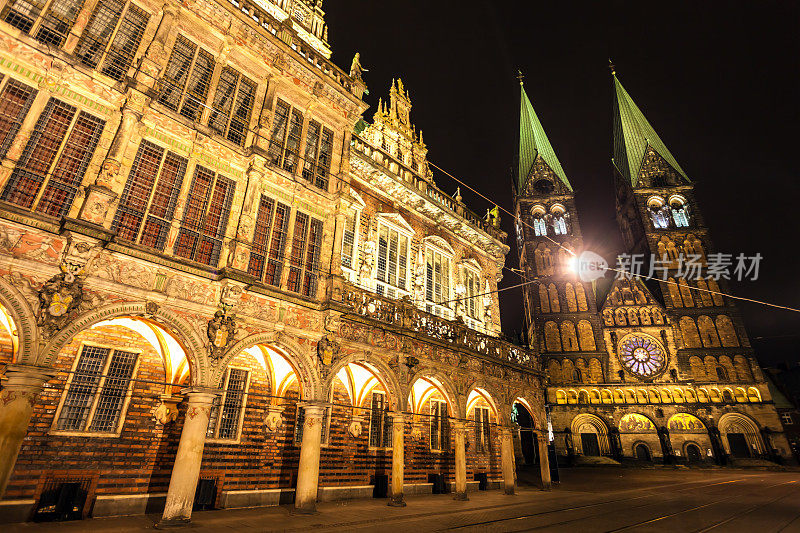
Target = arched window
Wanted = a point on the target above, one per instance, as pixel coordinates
(559, 219)
(680, 211)
(554, 371)
(686, 293)
(586, 336)
(554, 304)
(539, 224)
(691, 337)
(708, 333)
(568, 336)
(583, 397)
(552, 337)
(544, 299)
(581, 294)
(705, 297)
(722, 374)
(727, 333)
(659, 215)
(572, 302)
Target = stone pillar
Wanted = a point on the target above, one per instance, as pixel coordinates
(507, 460)
(398, 460)
(26, 128)
(80, 25)
(186, 470)
(544, 460)
(157, 53)
(305, 496)
(16, 405)
(461, 461)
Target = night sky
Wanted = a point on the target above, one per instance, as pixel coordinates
(719, 81)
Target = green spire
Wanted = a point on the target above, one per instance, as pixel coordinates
(633, 135)
(533, 142)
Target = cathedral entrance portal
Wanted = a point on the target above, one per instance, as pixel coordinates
(693, 453)
(738, 445)
(590, 444)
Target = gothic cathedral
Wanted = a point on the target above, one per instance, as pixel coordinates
(637, 369)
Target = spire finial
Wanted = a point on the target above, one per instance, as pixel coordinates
(612, 67)
(520, 76)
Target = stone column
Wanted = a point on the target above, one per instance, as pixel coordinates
(398, 460)
(507, 460)
(16, 405)
(157, 53)
(461, 461)
(544, 460)
(80, 25)
(305, 496)
(26, 128)
(186, 470)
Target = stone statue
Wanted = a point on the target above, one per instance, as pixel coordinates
(356, 70)
(367, 261)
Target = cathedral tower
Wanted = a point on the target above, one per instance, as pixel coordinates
(561, 313)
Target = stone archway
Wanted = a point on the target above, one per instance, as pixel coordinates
(24, 318)
(379, 368)
(742, 437)
(444, 383)
(193, 344)
(590, 435)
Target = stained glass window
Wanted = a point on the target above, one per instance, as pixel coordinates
(642, 356)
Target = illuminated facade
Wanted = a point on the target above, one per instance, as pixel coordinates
(639, 371)
(221, 287)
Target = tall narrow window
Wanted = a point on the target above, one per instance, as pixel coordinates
(205, 217)
(440, 439)
(269, 241)
(186, 80)
(350, 237)
(393, 248)
(539, 226)
(472, 286)
(225, 421)
(147, 206)
(97, 391)
(380, 422)
(304, 262)
(112, 38)
(317, 161)
(284, 146)
(437, 283)
(15, 101)
(52, 166)
(233, 103)
(481, 415)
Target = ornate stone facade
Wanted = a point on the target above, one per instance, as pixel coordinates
(213, 277)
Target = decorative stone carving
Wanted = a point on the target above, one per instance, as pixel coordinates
(167, 410)
(367, 261)
(327, 349)
(58, 297)
(221, 332)
(355, 429)
(273, 421)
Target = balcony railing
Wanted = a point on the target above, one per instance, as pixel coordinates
(413, 180)
(403, 314)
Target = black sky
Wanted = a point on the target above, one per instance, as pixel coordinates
(717, 80)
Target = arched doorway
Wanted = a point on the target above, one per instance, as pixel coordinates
(590, 435)
(685, 428)
(742, 436)
(693, 453)
(432, 406)
(642, 452)
(634, 430)
(527, 436)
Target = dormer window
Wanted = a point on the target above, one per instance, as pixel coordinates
(659, 214)
(559, 219)
(680, 211)
(539, 223)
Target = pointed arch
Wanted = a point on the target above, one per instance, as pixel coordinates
(443, 383)
(586, 336)
(708, 333)
(544, 299)
(580, 294)
(383, 373)
(686, 293)
(691, 337)
(737, 423)
(727, 332)
(552, 337)
(555, 306)
(572, 301)
(569, 337)
(588, 423)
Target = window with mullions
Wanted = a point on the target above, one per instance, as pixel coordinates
(440, 427)
(393, 248)
(317, 161)
(148, 201)
(227, 412)
(269, 241)
(54, 161)
(48, 21)
(300, 420)
(472, 286)
(233, 103)
(481, 421)
(15, 102)
(112, 37)
(97, 391)
(380, 422)
(350, 237)
(205, 217)
(437, 283)
(304, 261)
(284, 145)
(187, 78)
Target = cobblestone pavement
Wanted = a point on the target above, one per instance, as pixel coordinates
(587, 500)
